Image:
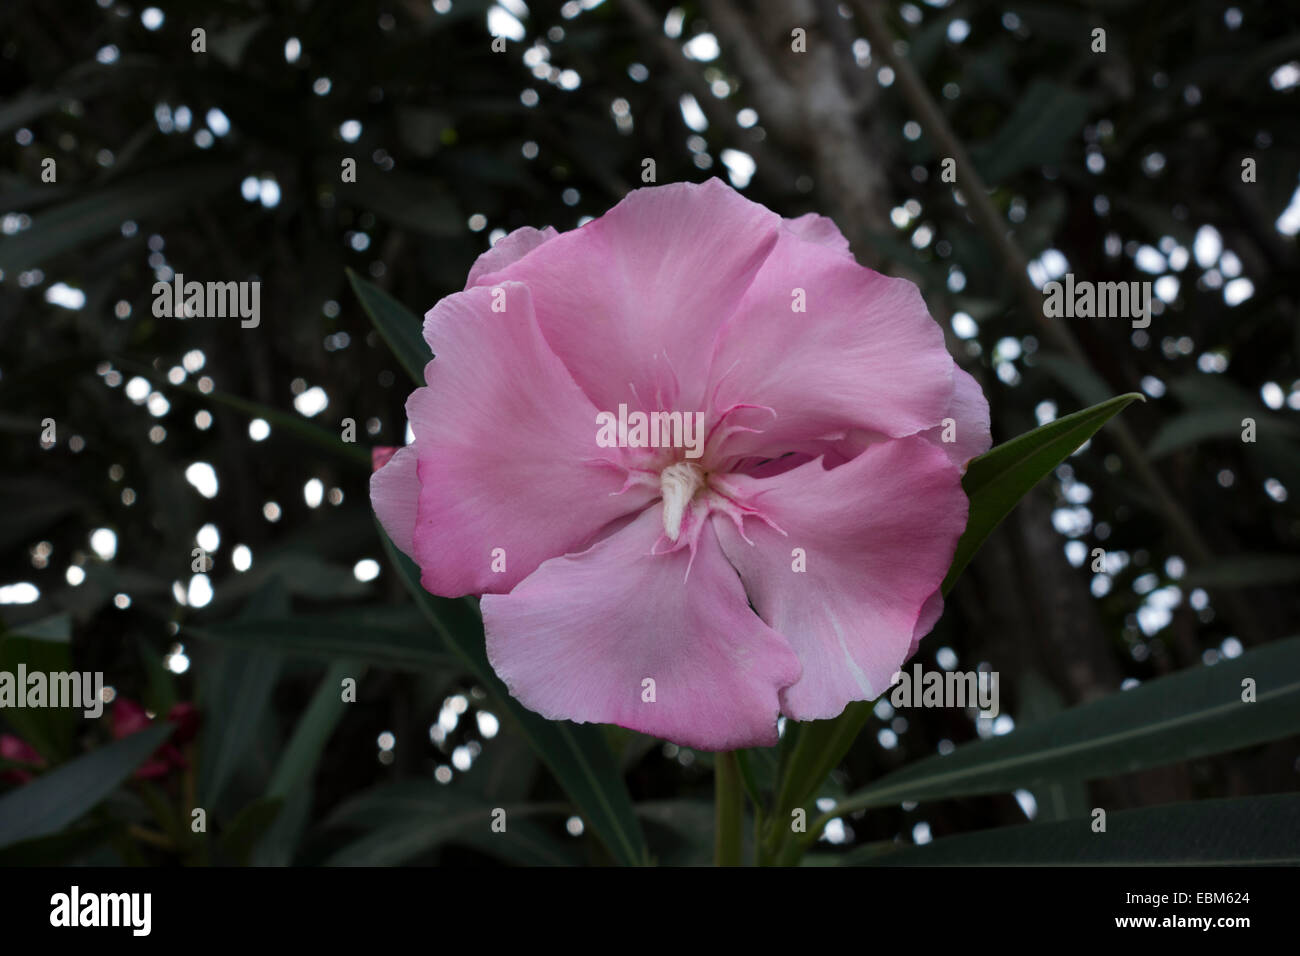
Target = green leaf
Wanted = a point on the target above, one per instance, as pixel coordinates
(1199, 425)
(523, 842)
(88, 80)
(575, 753)
(48, 729)
(229, 45)
(412, 817)
(927, 43)
(235, 690)
(1048, 117)
(1038, 233)
(409, 201)
(1179, 717)
(159, 695)
(292, 780)
(299, 571)
(62, 796)
(27, 106)
(32, 505)
(997, 480)
(1245, 571)
(1081, 380)
(149, 196)
(252, 823)
(810, 751)
(290, 423)
(56, 628)
(1201, 390)
(758, 773)
(1060, 799)
(384, 637)
(387, 801)
(683, 831)
(299, 758)
(1242, 830)
(234, 699)
(399, 327)
(58, 849)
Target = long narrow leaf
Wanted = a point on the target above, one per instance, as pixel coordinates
(1186, 715)
(818, 748)
(1243, 830)
(298, 761)
(52, 801)
(420, 818)
(998, 479)
(377, 638)
(293, 425)
(291, 782)
(399, 327)
(1245, 571)
(234, 694)
(151, 196)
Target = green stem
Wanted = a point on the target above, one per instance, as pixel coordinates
(729, 817)
(163, 812)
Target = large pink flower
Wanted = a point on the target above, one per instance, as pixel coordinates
(786, 564)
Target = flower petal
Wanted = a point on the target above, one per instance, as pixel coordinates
(633, 300)
(864, 355)
(877, 534)
(507, 250)
(931, 611)
(820, 229)
(578, 637)
(16, 749)
(507, 452)
(395, 494)
(129, 717)
(969, 410)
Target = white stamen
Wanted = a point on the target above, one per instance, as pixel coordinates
(678, 483)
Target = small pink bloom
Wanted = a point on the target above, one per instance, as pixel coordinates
(17, 750)
(129, 717)
(787, 564)
(380, 455)
(186, 718)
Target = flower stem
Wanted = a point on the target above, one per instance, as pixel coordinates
(152, 837)
(729, 816)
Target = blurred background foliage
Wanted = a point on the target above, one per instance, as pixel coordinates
(174, 434)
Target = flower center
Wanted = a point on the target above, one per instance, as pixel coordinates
(678, 483)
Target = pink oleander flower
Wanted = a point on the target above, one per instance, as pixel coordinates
(16, 750)
(787, 561)
(129, 717)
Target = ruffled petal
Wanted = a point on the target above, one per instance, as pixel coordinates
(931, 611)
(395, 495)
(509, 249)
(820, 229)
(877, 535)
(632, 301)
(969, 411)
(578, 639)
(865, 355)
(509, 470)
